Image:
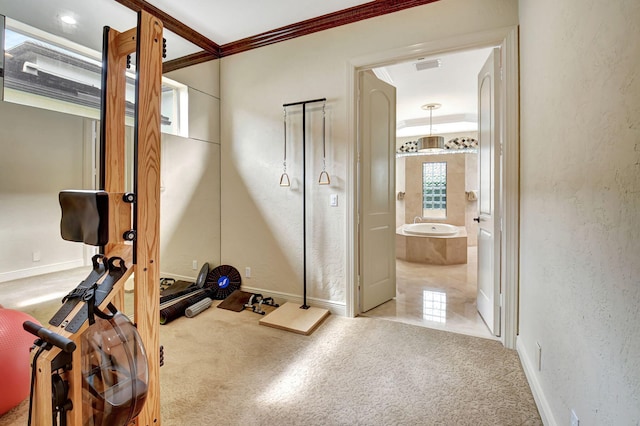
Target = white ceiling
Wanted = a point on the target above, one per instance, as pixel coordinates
(224, 21)
(453, 84)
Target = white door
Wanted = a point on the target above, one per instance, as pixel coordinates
(377, 131)
(489, 190)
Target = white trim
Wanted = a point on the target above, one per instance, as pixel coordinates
(494, 37)
(510, 215)
(351, 270)
(176, 277)
(40, 270)
(461, 42)
(536, 389)
(336, 308)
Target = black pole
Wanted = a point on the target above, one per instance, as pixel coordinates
(103, 115)
(304, 194)
(136, 124)
(304, 208)
(103, 107)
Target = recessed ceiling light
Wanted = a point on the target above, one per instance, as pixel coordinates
(68, 19)
(425, 65)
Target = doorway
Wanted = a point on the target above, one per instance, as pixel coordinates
(507, 279)
(436, 276)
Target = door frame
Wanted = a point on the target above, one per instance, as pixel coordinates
(507, 37)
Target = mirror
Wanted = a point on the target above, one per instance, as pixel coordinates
(46, 150)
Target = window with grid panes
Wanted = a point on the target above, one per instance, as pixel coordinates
(434, 190)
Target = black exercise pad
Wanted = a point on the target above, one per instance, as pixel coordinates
(236, 301)
(177, 289)
(85, 217)
(176, 310)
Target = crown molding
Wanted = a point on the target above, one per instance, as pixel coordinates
(320, 23)
(187, 61)
(172, 24)
(211, 50)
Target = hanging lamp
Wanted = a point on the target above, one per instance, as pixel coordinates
(430, 142)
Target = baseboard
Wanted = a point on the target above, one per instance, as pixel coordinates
(40, 270)
(177, 277)
(336, 308)
(538, 394)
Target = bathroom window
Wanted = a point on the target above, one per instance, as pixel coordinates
(434, 190)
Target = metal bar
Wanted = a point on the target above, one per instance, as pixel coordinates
(103, 106)
(304, 194)
(102, 178)
(304, 207)
(304, 102)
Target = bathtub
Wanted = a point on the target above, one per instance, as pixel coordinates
(430, 229)
(432, 243)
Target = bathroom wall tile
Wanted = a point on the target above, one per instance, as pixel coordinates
(401, 247)
(456, 251)
(456, 187)
(432, 251)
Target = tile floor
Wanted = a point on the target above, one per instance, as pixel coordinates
(436, 296)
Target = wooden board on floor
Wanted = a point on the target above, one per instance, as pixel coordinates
(291, 317)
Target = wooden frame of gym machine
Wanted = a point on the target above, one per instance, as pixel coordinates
(141, 257)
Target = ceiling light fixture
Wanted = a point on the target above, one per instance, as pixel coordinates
(68, 19)
(430, 142)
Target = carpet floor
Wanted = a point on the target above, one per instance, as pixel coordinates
(223, 368)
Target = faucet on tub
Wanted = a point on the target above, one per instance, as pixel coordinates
(417, 219)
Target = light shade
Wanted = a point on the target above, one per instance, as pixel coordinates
(430, 142)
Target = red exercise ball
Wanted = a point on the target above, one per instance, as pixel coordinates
(15, 371)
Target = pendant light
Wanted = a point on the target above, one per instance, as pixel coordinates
(430, 142)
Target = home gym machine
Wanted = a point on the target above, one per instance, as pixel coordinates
(126, 227)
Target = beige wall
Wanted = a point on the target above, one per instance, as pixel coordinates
(190, 191)
(189, 206)
(41, 153)
(262, 222)
(580, 207)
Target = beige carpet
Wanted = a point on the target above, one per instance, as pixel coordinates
(222, 368)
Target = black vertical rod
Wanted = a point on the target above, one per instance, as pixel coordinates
(136, 124)
(304, 194)
(304, 208)
(103, 107)
(102, 162)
